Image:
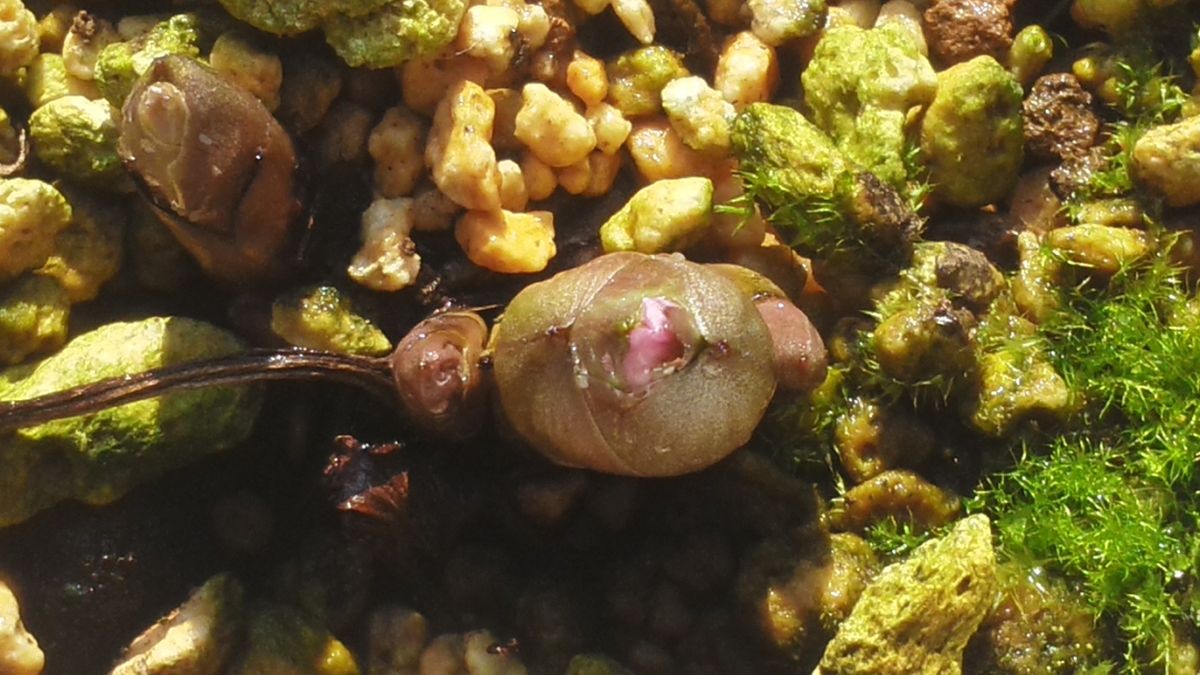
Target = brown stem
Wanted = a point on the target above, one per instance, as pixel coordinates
(371, 374)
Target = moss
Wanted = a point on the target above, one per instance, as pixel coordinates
(927, 343)
(798, 176)
(46, 79)
(779, 146)
(89, 251)
(281, 18)
(1017, 384)
(1109, 504)
(1039, 625)
(1100, 249)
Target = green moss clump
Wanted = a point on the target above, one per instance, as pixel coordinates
(292, 17)
(1109, 504)
(281, 18)
(794, 171)
(779, 146)
(46, 79)
(364, 33)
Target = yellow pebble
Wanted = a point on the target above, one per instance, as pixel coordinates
(507, 242)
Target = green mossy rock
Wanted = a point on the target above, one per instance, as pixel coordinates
(97, 458)
(918, 614)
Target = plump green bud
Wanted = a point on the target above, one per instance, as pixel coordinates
(636, 78)
(32, 213)
(595, 367)
(78, 138)
(321, 317)
(120, 64)
(398, 31)
(96, 458)
(33, 318)
(972, 136)
(664, 216)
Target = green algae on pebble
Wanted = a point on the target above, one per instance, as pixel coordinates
(97, 458)
(918, 614)
(322, 317)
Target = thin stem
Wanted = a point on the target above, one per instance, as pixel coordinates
(371, 374)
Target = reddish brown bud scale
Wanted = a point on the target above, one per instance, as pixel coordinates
(217, 167)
